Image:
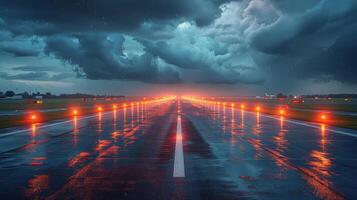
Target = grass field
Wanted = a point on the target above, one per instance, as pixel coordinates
(84, 107)
(338, 111)
(48, 104)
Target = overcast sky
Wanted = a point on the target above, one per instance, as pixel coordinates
(179, 46)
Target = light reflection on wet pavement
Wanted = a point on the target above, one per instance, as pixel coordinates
(229, 153)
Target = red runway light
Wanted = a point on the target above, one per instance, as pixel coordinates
(282, 112)
(33, 118)
(323, 117)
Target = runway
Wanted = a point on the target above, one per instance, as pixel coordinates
(178, 149)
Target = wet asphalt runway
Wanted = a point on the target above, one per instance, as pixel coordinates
(131, 154)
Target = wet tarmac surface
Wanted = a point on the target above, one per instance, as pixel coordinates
(130, 154)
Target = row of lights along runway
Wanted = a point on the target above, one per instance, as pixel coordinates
(75, 112)
(282, 112)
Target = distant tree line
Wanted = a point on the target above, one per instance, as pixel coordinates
(27, 95)
(342, 96)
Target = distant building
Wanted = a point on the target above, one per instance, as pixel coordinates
(35, 100)
(269, 96)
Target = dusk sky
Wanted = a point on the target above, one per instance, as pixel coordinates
(222, 47)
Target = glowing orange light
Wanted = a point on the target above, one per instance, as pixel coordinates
(232, 104)
(124, 105)
(282, 112)
(132, 104)
(323, 117)
(114, 106)
(33, 117)
(100, 109)
(258, 108)
(242, 106)
(75, 112)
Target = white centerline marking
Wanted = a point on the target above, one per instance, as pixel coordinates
(179, 165)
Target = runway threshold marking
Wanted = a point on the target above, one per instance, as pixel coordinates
(179, 165)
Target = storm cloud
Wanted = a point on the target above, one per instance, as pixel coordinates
(254, 42)
(100, 56)
(19, 51)
(35, 76)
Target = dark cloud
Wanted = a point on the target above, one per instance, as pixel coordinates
(38, 68)
(52, 16)
(338, 62)
(20, 51)
(182, 57)
(100, 56)
(35, 76)
(315, 40)
(205, 41)
(209, 66)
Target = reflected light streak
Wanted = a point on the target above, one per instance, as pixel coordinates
(218, 111)
(242, 118)
(75, 128)
(214, 111)
(124, 119)
(33, 128)
(257, 129)
(232, 120)
(132, 115)
(323, 133)
(321, 164)
(224, 118)
(138, 111)
(115, 120)
(100, 122)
